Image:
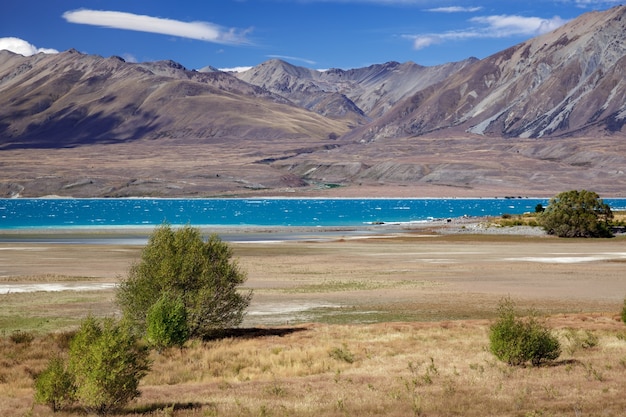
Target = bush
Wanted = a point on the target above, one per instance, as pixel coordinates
(55, 386)
(517, 341)
(22, 338)
(624, 312)
(200, 273)
(107, 363)
(167, 323)
(577, 214)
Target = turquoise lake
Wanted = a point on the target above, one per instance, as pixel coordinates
(64, 213)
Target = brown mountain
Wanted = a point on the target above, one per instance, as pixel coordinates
(569, 82)
(538, 118)
(358, 94)
(71, 99)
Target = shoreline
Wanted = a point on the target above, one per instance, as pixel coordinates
(241, 234)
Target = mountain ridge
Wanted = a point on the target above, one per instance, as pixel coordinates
(538, 88)
(540, 116)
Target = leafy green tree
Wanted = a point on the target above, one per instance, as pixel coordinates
(167, 323)
(577, 214)
(55, 386)
(107, 363)
(202, 274)
(516, 341)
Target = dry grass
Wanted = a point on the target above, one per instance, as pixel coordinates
(400, 328)
(391, 369)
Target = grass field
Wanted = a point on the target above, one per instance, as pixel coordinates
(389, 326)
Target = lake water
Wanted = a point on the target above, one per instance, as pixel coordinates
(131, 212)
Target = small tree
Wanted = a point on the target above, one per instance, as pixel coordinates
(517, 341)
(167, 323)
(577, 214)
(55, 386)
(107, 362)
(200, 273)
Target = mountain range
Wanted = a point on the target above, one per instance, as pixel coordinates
(542, 116)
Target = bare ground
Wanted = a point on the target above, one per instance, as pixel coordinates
(398, 275)
(409, 313)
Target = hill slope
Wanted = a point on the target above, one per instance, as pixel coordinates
(70, 99)
(538, 118)
(568, 82)
(367, 92)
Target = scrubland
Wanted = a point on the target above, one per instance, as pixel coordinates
(394, 326)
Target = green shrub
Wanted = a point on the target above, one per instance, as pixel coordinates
(55, 386)
(201, 273)
(167, 323)
(342, 354)
(577, 214)
(107, 363)
(516, 341)
(624, 311)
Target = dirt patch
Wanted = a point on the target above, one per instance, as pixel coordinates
(411, 275)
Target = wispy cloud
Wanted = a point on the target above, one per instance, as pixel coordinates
(293, 58)
(454, 9)
(497, 26)
(204, 31)
(235, 69)
(583, 4)
(20, 46)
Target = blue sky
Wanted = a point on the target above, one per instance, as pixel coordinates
(317, 34)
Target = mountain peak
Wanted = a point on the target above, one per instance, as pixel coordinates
(566, 82)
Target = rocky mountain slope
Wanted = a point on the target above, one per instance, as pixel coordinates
(566, 83)
(365, 93)
(71, 99)
(83, 125)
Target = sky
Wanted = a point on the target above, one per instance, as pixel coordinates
(317, 34)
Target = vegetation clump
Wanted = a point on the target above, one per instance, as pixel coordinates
(167, 323)
(106, 363)
(577, 214)
(186, 269)
(516, 340)
(55, 386)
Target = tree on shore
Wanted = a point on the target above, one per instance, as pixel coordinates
(199, 274)
(577, 214)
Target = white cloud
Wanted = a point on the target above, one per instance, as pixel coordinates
(511, 25)
(129, 57)
(235, 69)
(592, 3)
(454, 9)
(424, 41)
(497, 26)
(20, 46)
(203, 31)
(293, 58)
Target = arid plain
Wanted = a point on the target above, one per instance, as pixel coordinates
(379, 322)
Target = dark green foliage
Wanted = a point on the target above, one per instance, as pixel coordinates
(200, 273)
(577, 214)
(516, 341)
(624, 312)
(55, 386)
(167, 323)
(107, 363)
